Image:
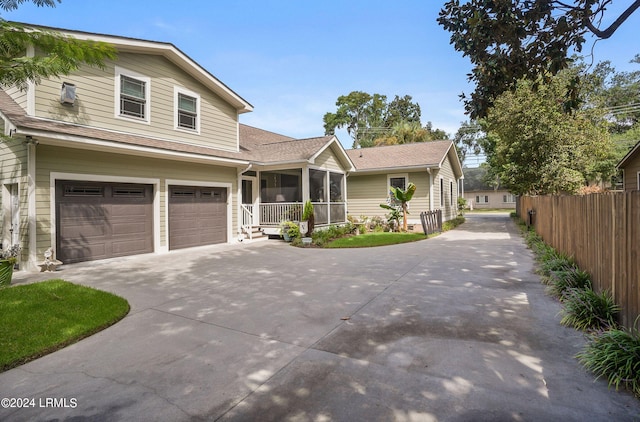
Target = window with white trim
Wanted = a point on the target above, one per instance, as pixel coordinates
(398, 182)
(450, 192)
(132, 95)
(509, 198)
(187, 110)
(441, 192)
(482, 199)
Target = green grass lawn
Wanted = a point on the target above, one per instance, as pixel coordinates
(375, 239)
(39, 318)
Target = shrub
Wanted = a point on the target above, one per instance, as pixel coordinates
(568, 278)
(584, 309)
(452, 224)
(614, 354)
(553, 261)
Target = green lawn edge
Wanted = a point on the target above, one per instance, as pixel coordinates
(41, 318)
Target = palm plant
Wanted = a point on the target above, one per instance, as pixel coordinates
(403, 197)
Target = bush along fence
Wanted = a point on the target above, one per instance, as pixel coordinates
(611, 352)
(431, 221)
(601, 232)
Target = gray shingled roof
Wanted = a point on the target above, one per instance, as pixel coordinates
(427, 154)
(255, 144)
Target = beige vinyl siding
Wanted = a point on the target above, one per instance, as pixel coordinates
(631, 171)
(327, 160)
(449, 209)
(13, 169)
(96, 102)
(19, 96)
(66, 160)
(13, 158)
(420, 201)
(366, 193)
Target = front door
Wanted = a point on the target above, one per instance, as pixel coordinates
(249, 199)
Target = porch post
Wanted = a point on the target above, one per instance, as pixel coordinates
(305, 184)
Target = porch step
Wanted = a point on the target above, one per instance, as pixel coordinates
(255, 232)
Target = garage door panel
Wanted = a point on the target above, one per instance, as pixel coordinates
(97, 220)
(128, 247)
(197, 216)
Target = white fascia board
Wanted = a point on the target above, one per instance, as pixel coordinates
(395, 169)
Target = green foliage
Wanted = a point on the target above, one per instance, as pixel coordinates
(535, 147)
(462, 205)
(584, 309)
(615, 355)
(308, 216)
(375, 239)
(291, 228)
(452, 224)
(56, 54)
(371, 121)
(322, 237)
(567, 278)
(402, 197)
(507, 41)
(39, 318)
(393, 216)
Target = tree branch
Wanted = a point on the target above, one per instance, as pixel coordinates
(604, 34)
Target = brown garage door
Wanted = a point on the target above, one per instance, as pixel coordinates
(96, 220)
(197, 216)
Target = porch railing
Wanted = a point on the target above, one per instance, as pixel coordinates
(324, 212)
(247, 219)
(274, 214)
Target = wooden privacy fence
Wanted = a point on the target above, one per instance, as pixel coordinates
(431, 221)
(602, 233)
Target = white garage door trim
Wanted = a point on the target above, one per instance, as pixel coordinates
(54, 176)
(202, 184)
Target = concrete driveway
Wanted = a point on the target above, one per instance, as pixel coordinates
(454, 328)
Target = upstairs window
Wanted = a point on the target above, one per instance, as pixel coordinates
(187, 110)
(133, 99)
(132, 95)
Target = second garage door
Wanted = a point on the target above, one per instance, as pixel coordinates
(197, 216)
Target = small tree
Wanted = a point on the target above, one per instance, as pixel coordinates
(307, 215)
(402, 197)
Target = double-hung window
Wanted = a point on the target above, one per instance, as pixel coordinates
(187, 110)
(132, 95)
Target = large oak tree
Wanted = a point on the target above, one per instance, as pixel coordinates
(507, 40)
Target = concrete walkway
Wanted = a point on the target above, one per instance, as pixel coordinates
(454, 328)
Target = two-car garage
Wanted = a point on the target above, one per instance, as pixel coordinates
(99, 220)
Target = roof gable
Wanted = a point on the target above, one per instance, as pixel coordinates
(272, 148)
(634, 152)
(397, 157)
(167, 50)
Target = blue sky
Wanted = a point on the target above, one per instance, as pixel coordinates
(292, 59)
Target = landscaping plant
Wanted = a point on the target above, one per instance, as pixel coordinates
(614, 354)
(560, 281)
(308, 216)
(585, 309)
